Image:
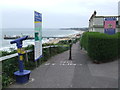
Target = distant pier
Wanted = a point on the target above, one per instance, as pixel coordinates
(10, 37)
(31, 37)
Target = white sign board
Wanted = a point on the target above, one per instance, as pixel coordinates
(38, 35)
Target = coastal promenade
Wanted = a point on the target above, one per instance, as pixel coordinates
(80, 72)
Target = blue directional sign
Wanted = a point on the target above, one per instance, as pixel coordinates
(38, 16)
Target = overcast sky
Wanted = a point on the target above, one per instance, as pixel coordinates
(55, 13)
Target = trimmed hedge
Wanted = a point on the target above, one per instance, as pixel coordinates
(101, 47)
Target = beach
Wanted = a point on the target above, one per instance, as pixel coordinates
(54, 41)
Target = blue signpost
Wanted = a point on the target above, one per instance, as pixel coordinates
(22, 76)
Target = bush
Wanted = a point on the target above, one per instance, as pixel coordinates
(118, 34)
(8, 68)
(100, 46)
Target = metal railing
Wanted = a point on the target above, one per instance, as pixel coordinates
(27, 51)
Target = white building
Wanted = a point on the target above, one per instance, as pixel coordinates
(96, 23)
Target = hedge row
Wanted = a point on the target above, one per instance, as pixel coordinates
(101, 47)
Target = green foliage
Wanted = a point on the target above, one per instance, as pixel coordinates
(84, 39)
(6, 80)
(30, 64)
(118, 34)
(5, 53)
(63, 42)
(66, 42)
(8, 68)
(29, 47)
(48, 44)
(100, 46)
(46, 54)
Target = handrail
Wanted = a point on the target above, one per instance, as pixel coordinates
(10, 56)
(27, 51)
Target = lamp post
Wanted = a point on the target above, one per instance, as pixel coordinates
(70, 53)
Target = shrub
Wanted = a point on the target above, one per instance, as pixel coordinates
(8, 68)
(100, 46)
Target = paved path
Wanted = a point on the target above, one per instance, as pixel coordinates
(80, 72)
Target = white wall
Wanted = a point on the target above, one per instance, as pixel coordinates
(117, 29)
(98, 21)
(102, 30)
(98, 30)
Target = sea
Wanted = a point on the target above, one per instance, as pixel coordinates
(5, 44)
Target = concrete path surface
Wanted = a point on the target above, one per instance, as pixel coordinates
(80, 72)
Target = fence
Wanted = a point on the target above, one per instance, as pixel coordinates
(16, 54)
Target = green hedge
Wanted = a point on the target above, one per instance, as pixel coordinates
(100, 46)
(9, 66)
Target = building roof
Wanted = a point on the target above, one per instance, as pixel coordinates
(94, 16)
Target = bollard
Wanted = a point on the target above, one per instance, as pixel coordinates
(22, 76)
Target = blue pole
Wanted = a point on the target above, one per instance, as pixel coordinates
(20, 57)
(21, 66)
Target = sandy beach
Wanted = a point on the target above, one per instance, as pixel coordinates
(54, 41)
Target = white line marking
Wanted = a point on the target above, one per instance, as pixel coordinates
(47, 64)
(68, 64)
(71, 63)
(53, 64)
(74, 64)
(70, 85)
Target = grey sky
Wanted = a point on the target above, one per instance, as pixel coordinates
(56, 13)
